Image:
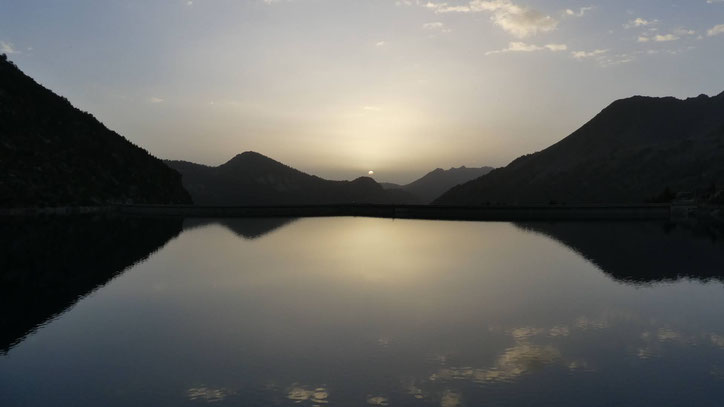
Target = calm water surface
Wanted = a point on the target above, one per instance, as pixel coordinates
(357, 311)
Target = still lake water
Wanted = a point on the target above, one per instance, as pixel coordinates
(359, 311)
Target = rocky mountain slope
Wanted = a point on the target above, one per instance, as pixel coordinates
(52, 154)
(632, 152)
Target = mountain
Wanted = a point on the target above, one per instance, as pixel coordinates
(390, 185)
(253, 179)
(52, 154)
(631, 152)
(435, 183)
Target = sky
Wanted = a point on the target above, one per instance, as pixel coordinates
(340, 87)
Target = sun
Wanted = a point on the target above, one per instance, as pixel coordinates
(370, 172)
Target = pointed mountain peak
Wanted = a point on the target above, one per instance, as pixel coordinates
(251, 158)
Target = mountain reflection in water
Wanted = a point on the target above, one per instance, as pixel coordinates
(247, 228)
(359, 311)
(49, 263)
(643, 252)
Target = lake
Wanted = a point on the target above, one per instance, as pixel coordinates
(359, 312)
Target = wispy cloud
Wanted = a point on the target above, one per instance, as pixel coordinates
(380, 43)
(617, 59)
(155, 99)
(640, 22)
(518, 46)
(580, 13)
(716, 30)
(659, 38)
(683, 31)
(7, 48)
(436, 26)
(588, 54)
(519, 21)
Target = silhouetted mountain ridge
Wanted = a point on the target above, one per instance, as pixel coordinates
(628, 153)
(52, 154)
(436, 182)
(251, 178)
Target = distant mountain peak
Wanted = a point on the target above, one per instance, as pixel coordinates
(251, 178)
(366, 182)
(249, 155)
(253, 162)
(437, 181)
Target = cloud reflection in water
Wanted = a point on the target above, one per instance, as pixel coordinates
(298, 394)
(208, 394)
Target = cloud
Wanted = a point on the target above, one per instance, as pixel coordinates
(517, 20)
(714, 1)
(517, 46)
(155, 99)
(665, 38)
(7, 48)
(380, 43)
(659, 38)
(436, 26)
(684, 31)
(580, 13)
(716, 30)
(640, 22)
(588, 54)
(607, 60)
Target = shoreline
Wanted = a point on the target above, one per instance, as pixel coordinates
(473, 213)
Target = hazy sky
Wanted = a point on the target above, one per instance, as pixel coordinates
(339, 87)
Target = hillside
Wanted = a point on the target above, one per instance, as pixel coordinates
(629, 153)
(436, 182)
(253, 179)
(52, 154)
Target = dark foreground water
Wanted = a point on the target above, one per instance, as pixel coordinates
(355, 312)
